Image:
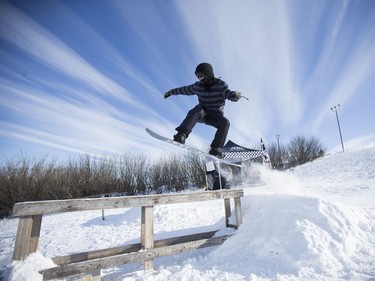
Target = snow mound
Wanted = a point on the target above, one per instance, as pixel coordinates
(341, 169)
(27, 269)
(288, 237)
(295, 235)
(346, 177)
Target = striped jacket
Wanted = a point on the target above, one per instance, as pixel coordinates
(212, 99)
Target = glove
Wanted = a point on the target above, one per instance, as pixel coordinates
(235, 96)
(168, 94)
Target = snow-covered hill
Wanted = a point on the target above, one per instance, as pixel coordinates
(316, 222)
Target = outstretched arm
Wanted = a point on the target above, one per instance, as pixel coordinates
(185, 90)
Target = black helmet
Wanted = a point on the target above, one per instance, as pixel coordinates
(205, 69)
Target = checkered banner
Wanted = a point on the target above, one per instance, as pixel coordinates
(243, 155)
(234, 151)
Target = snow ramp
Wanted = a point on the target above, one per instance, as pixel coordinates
(304, 237)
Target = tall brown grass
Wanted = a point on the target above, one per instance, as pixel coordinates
(33, 179)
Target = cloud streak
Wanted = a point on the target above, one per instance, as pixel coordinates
(47, 49)
(76, 119)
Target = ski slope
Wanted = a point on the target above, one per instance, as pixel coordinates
(316, 222)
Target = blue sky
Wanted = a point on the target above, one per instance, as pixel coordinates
(89, 76)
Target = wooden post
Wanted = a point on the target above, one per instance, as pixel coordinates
(27, 238)
(147, 233)
(227, 211)
(237, 207)
(219, 172)
(103, 216)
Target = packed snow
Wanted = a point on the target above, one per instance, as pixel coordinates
(315, 222)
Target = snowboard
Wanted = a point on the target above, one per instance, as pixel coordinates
(192, 149)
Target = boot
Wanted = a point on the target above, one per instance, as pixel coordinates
(216, 151)
(180, 138)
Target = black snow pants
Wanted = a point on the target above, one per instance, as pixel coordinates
(214, 119)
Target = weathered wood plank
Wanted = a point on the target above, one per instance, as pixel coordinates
(86, 204)
(73, 258)
(227, 211)
(237, 208)
(35, 233)
(88, 266)
(21, 247)
(147, 233)
(27, 237)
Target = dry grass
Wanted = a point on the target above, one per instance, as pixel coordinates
(23, 179)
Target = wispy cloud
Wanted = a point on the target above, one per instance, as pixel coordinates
(31, 37)
(350, 50)
(364, 141)
(92, 127)
(69, 116)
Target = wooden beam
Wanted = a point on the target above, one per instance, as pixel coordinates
(73, 258)
(237, 207)
(27, 237)
(87, 204)
(147, 233)
(227, 210)
(92, 265)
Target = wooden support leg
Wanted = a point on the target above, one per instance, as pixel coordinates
(27, 238)
(147, 233)
(219, 171)
(237, 207)
(227, 211)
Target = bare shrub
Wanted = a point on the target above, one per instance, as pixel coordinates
(176, 172)
(170, 172)
(278, 156)
(196, 170)
(303, 149)
(23, 179)
(133, 174)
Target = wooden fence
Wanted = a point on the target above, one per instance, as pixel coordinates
(30, 220)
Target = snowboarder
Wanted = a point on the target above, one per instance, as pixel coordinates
(212, 93)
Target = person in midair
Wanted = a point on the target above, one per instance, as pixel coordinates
(212, 93)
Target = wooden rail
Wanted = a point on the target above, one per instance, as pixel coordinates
(30, 220)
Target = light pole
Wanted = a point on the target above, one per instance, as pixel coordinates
(278, 144)
(278, 151)
(335, 109)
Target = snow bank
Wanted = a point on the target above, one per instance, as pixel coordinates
(288, 237)
(27, 269)
(346, 177)
(294, 235)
